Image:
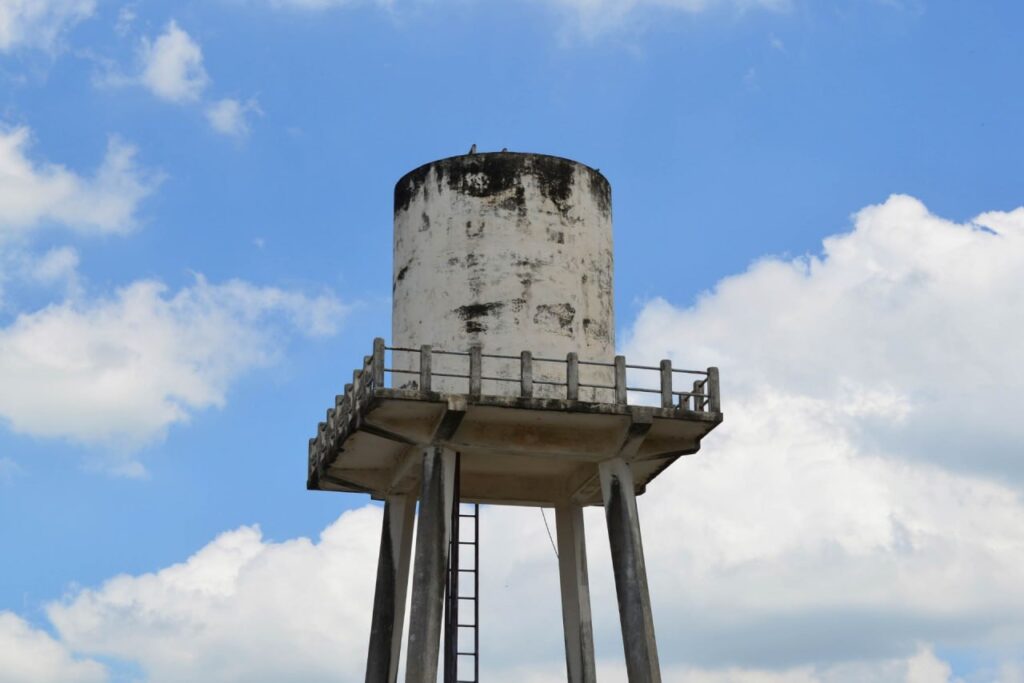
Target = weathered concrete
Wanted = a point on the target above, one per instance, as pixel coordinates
(572, 570)
(432, 533)
(513, 450)
(392, 584)
(638, 640)
(510, 251)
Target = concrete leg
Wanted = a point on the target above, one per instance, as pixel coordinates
(432, 533)
(392, 585)
(572, 570)
(617, 488)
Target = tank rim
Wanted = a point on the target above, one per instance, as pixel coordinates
(428, 164)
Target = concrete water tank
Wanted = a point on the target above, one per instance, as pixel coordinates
(509, 251)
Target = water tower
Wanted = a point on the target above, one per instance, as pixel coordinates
(501, 385)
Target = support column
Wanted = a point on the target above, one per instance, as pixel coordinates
(432, 533)
(572, 570)
(392, 586)
(617, 488)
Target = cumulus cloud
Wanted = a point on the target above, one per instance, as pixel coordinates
(124, 369)
(39, 23)
(29, 655)
(241, 609)
(36, 194)
(906, 322)
(172, 66)
(229, 116)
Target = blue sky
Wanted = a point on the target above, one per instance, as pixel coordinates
(195, 251)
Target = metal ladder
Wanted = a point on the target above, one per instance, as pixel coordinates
(462, 626)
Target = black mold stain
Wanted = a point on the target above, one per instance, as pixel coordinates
(555, 179)
(556, 236)
(426, 223)
(483, 175)
(597, 330)
(472, 313)
(409, 186)
(516, 202)
(479, 310)
(601, 191)
(400, 276)
(561, 315)
(499, 176)
(474, 231)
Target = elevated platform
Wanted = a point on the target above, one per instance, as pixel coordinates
(516, 448)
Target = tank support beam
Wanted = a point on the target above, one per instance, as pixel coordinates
(392, 584)
(572, 569)
(617, 488)
(432, 534)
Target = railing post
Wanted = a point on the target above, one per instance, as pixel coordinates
(572, 376)
(378, 362)
(475, 370)
(620, 380)
(666, 384)
(714, 395)
(425, 356)
(698, 395)
(526, 374)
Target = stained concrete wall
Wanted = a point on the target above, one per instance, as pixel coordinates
(511, 251)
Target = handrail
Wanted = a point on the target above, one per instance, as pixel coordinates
(701, 398)
(345, 416)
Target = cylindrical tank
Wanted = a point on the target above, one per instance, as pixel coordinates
(507, 250)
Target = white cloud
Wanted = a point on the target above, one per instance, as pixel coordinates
(39, 23)
(57, 265)
(28, 655)
(241, 609)
(172, 66)
(124, 369)
(228, 116)
(36, 194)
(126, 17)
(906, 323)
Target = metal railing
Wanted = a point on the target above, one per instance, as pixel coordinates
(701, 396)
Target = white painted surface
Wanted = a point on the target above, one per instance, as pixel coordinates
(510, 251)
